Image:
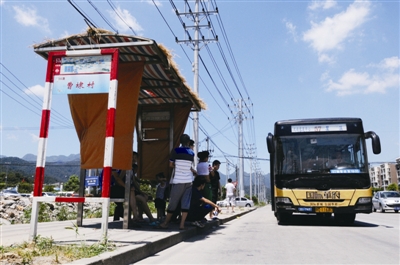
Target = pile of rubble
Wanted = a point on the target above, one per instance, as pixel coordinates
(12, 209)
(17, 210)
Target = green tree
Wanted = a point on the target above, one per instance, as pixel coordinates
(48, 188)
(72, 184)
(392, 186)
(376, 189)
(255, 199)
(25, 187)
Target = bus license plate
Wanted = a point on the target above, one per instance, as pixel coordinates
(324, 210)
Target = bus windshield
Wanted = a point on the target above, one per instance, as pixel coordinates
(331, 154)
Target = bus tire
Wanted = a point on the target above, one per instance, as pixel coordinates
(283, 218)
(345, 218)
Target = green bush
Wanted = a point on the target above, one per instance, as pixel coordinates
(25, 187)
(392, 187)
(44, 213)
(255, 199)
(48, 188)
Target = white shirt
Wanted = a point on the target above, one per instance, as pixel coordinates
(202, 169)
(230, 189)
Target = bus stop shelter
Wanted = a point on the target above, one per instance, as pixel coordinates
(152, 97)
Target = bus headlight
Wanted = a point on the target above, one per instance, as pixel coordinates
(364, 200)
(283, 200)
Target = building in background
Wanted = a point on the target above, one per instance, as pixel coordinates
(398, 169)
(385, 174)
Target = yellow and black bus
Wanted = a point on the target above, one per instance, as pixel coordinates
(320, 166)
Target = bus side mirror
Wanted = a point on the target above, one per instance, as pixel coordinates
(376, 142)
(270, 143)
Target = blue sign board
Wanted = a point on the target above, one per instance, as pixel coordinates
(92, 181)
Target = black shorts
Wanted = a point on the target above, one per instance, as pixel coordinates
(117, 192)
(160, 203)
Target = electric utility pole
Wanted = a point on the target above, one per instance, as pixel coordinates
(251, 155)
(196, 17)
(239, 119)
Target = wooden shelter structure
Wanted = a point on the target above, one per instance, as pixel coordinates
(152, 97)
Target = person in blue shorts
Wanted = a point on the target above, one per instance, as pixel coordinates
(181, 159)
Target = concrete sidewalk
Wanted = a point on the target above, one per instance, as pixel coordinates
(132, 244)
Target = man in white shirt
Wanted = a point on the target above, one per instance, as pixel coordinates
(230, 194)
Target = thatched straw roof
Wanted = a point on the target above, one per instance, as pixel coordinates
(162, 82)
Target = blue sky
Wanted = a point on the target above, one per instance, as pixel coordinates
(288, 59)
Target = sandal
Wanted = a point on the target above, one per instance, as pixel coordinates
(161, 226)
(155, 223)
(198, 224)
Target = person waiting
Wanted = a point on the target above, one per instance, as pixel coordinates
(199, 205)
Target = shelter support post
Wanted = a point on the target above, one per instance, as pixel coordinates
(127, 201)
(81, 192)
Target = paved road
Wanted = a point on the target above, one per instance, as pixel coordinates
(256, 238)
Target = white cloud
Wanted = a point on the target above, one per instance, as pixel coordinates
(324, 76)
(291, 29)
(325, 58)
(333, 31)
(37, 90)
(11, 137)
(386, 76)
(156, 2)
(34, 137)
(124, 20)
(65, 34)
(391, 63)
(28, 17)
(327, 4)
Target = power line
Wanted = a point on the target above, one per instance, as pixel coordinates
(116, 12)
(102, 16)
(82, 13)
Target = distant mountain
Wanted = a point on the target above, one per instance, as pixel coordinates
(56, 159)
(59, 167)
(54, 171)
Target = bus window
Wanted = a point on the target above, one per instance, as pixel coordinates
(319, 154)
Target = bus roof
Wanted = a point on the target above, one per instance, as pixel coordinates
(317, 121)
(320, 126)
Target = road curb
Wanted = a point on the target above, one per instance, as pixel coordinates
(131, 254)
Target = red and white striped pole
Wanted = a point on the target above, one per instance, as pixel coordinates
(44, 129)
(110, 124)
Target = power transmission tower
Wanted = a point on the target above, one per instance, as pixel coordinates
(251, 150)
(196, 17)
(240, 117)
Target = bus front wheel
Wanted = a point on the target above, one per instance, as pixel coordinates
(345, 218)
(283, 217)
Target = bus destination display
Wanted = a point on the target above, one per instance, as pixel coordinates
(319, 128)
